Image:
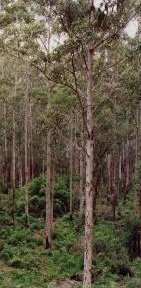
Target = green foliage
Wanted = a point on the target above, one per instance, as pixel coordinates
(37, 198)
(33, 30)
(24, 251)
(37, 185)
(64, 233)
(61, 197)
(29, 264)
(136, 283)
(37, 188)
(5, 218)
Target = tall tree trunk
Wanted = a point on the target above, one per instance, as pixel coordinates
(26, 148)
(88, 250)
(13, 167)
(119, 172)
(48, 235)
(52, 191)
(81, 183)
(48, 193)
(20, 173)
(123, 167)
(109, 173)
(113, 187)
(31, 140)
(71, 169)
(43, 155)
(5, 149)
(127, 167)
(138, 122)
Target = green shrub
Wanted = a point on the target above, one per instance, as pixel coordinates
(18, 235)
(16, 262)
(4, 233)
(61, 196)
(24, 278)
(5, 219)
(106, 238)
(20, 207)
(37, 186)
(7, 253)
(33, 240)
(64, 233)
(136, 266)
(135, 283)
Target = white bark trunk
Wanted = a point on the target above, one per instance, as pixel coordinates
(88, 252)
(49, 162)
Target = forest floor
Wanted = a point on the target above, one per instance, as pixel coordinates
(24, 262)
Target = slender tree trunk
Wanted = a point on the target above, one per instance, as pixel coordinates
(20, 158)
(81, 183)
(43, 155)
(52, 192)
(5, 149)
(48, 193)
(48, 238)
(88, 250)
(119, 172)
(123, 167)
(114, 188)
(13, 168)
(127, 166)
(31, 141)
(71, 170)
(20, 174)
(137, 134)
(109, 173)
(26, 148)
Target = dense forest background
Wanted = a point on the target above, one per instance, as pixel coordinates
(70, 144)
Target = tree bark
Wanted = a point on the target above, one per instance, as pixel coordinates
(109, 172)
(26, 148)
(48, 193)
(48, 238)
(13, 167)
(71, 169)
(88, 250)
(31, 141)
(52, 192)
(81, 183)
(127, 167)
(5, 150)
(119, 172)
